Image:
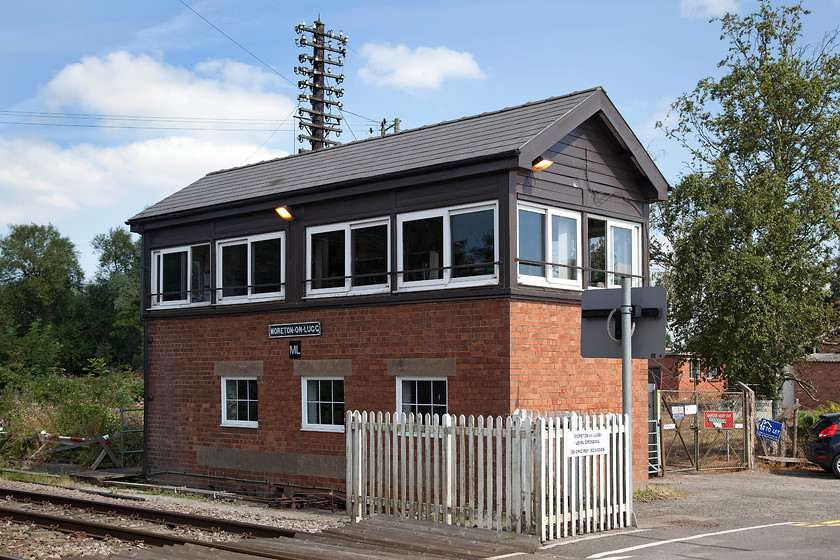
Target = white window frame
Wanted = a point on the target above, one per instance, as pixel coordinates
(447, 281)
(157, 276)
(237, 423)
(429, 379)
(250, 296)
(304, 420)
(348, 288)
(613, 280)
(546, 280)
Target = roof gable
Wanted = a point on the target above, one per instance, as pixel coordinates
(522, 132)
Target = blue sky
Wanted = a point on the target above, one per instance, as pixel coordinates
(100, 99)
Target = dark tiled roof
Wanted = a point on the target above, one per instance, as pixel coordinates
(449, 143)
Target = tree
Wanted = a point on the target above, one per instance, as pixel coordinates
(749, 235)
(118, 252)
(39, 271)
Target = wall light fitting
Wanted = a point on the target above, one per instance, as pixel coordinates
(284, 212)
(540, 163)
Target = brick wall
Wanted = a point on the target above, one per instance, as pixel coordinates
(548, 372)
(509, 355)
(826, 379)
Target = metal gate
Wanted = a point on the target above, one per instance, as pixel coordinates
(703, 431)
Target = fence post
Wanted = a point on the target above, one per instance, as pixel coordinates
(749, 423)
(448, 467)
(539, 472)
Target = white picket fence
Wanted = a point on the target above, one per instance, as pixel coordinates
(551, 474)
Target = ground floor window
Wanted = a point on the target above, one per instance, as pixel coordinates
(239, 402)
(422, 396)
(323, 404)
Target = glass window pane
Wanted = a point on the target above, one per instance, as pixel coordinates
(230, 389)
(597, 243)
(200, 273)
(338, 391)
(325, 391)
(311, 390)
(531, 242)
(423, 249)
(622, 252)
(328, 260)
(408, 392)
(564, 247)
(235, 270)
(265, 266)
(252, 411)
(242, 410)
(325, 410)
(424, 392)
(312, 413)
(439, 392)
(252, 389)
(175, 276)
(338, 414)
(473, 242)
(370, 255)
(231, 410)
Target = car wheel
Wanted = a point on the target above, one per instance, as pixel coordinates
(835, 465)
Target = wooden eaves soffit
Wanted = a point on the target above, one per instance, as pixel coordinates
(510, 137)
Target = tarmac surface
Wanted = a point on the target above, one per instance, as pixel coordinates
(790, 512)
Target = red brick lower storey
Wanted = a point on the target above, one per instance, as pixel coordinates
(505, 355)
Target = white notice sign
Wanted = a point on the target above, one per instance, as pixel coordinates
(590, 442)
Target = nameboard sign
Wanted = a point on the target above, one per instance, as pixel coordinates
(294, 329)
(587, 442)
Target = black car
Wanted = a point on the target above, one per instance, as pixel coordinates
(823, 445)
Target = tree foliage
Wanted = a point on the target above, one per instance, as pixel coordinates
(749, 235)
(51, 319)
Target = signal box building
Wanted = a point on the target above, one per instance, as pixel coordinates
(437, 270)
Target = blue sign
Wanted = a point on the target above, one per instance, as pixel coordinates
(768, 429)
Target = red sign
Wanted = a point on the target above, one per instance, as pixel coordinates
(718, 419)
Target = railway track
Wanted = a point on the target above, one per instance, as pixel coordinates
(381, 537)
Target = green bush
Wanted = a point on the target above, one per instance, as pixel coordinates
(63, 405)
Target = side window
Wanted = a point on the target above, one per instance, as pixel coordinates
(442, 247)
(181, 276)
(250, 269)
(548, 246)
(323, 404)
(422, 396)
(350, 258)
(614, 249)
(239, 402)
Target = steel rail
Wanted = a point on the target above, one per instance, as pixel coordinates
(99, 530)
(247, 530)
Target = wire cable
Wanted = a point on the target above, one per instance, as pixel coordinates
(235, 42)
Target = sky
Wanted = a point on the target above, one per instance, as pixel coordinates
(107, 107)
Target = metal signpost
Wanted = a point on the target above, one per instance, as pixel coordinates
(603, 335)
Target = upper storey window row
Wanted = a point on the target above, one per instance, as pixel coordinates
(457, 246)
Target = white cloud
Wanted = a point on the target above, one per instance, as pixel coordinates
(421, 68)
(125, 84)
(694, 9)
(94, 182)
(42, 181)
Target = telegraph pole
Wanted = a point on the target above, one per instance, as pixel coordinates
(317, 121)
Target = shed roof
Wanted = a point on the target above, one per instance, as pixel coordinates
(525, 132)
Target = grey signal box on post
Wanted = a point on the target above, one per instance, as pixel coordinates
(600, 325)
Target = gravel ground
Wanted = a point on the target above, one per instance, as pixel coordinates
(36, 543)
